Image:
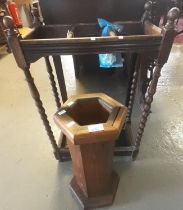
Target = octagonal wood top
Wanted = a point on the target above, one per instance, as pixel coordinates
(91, 118)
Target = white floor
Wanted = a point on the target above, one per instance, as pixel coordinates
(30, 177)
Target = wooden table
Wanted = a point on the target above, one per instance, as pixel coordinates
(140, 38)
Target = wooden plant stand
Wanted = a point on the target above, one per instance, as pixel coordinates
(92, 123)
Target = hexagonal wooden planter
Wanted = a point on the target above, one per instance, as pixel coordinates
(92, 122)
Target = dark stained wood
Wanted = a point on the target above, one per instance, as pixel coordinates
(131, 60)
(168, 36)
(171, 4)
(13, 35)
(139, 38)
(60, 77)
(34, 49)
(18, 54)
(145, 66)
(148, 11)
(63, 92)
(132, 96)
(124, 146)
(36, 96)
(59, 11)
(52, 81)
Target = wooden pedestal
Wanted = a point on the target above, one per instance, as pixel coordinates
(99, 201)
(92, 123)
(94, 183)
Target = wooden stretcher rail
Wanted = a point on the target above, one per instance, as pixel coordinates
(93, 39)
(34, 49)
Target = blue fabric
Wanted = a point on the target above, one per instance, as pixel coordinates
(105, 25)
(112, 59)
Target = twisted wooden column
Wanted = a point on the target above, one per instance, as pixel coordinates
(156, 12)
(148, 78)
(62, 86)
(148, 11)
(169, 33)
(14, 43)
(132, 96)
(36, 96)
(60, 77)
(52, 81)
(147, 105)
(62, 137)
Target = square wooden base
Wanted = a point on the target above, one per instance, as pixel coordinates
(95, 202)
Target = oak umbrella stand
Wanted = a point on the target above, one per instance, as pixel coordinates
(149, 44)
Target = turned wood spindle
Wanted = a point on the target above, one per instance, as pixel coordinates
(155, 12)
(52, 81)
(148, 11)
(60, 76)
(62, 138)
(13, 40)
(169, 33)
(132, 96)
(41, 110)
(148, 78)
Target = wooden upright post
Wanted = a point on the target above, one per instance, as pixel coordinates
(13, 40)
(169, 33)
